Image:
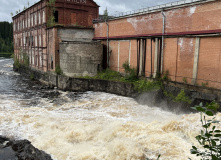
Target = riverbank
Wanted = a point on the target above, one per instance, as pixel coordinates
(20, 149)
(163, 98)
(6, 55)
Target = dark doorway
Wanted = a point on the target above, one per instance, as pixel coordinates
(56, 16)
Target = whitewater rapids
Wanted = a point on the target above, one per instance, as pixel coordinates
(92, 125)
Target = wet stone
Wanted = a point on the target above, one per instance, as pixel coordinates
(20, 150)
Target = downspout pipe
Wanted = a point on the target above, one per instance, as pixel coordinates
(107, 43)
(162, 47)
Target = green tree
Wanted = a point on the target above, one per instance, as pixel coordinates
(6, 37)
(105, 16)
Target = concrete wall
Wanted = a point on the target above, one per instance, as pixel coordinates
(81, 58)
(191, 49)
(76, 34)
(152, 98)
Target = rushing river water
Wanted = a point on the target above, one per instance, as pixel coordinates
(91, 125)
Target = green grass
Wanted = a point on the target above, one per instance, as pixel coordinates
(140, 85)
(6, 53)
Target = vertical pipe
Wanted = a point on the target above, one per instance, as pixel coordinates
(162, 47)
(176, 59)
(138, 56)
(151, 57)
(144, 59)
(160, 56)
(141, 57)
(130, 52)
(107, 43)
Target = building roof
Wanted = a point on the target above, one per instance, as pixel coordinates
(167, 6)
(39, 2)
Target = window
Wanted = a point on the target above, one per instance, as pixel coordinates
(43, 16)
(56, 16)
(32, 20)
(33, 58)
(28, 21)
(24, 40)
(35, 18)
(39, 40)
(39, 17)
(36, 41)
(32, 41)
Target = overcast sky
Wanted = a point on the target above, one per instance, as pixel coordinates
(113, 6)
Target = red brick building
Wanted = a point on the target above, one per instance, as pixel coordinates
(182, 37)
(34, 37)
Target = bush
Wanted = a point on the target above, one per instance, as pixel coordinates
(17, 63)
(26, 60)
(182, 97)
(166, 76)
(32, 76)
(58, 70)
(131, 73)
(144, 85)
(185, 80)
(210, 136)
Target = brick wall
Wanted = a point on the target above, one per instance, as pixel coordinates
(180, 52)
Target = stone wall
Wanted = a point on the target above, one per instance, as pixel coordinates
(81, 58)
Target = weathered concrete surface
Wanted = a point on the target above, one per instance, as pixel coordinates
(77, 34)
(81, 58)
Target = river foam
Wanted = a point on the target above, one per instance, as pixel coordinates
(101, 126)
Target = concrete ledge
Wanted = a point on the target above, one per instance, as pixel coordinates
(153, 98)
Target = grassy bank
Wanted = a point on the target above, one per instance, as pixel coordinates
(6, 54)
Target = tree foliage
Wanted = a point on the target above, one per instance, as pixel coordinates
(105, 16)
(6, 37)
(210, 136)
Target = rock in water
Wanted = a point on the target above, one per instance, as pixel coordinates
(20, 150)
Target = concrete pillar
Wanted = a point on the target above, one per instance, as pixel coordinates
(141, 58)
(156, 57)
(129, 52)
(118, 56)
(196, 60)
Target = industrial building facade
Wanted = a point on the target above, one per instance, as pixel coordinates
(182, 38)
(40, 42)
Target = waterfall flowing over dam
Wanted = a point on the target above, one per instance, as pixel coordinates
(91, 125)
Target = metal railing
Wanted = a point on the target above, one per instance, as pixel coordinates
(149, 9)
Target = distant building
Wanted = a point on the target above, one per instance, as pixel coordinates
(36, 36)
